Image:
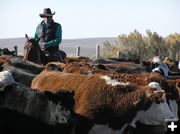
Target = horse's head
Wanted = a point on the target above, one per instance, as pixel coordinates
(31, 50)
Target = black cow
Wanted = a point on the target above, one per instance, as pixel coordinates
(32, 67)
(23, 110)
(5, 51)
(20, 75)
(104, 61)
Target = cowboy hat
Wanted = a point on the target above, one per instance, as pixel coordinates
(46, 13)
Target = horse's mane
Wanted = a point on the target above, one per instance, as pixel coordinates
(32, 39)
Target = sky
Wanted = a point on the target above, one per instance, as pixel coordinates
(91, 18)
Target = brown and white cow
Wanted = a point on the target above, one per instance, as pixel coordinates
(173, 65)
(163, 67)
(139, 79)
(106, 100)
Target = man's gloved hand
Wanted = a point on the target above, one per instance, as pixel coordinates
(46, 45)
(41, 46)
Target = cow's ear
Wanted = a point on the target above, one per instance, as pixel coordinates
(149, 92)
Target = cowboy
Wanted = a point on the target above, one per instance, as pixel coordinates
(50, 34)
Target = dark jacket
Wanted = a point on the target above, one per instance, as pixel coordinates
(51, 34)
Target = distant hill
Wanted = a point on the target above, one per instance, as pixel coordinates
(87, 45)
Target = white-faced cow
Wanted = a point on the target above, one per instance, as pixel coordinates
(159, 65)
(109, 102)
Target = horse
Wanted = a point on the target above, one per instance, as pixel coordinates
(33, 52)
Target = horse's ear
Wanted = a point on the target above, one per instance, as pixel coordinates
(26, 36)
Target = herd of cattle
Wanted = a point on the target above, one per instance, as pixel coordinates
(84, 96)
